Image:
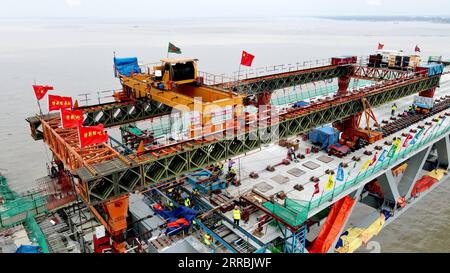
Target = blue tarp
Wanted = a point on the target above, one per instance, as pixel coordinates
(28, 249)
(325, 136)
(301, 104)
(124, 66)
(174, 215)
(433, 68)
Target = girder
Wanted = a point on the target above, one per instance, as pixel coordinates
(109, 114)
(113, 114)
(152, 168)
(375, 73)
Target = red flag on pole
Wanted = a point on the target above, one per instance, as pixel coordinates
(90, 135)
(247, 58)
(417, 49)
(380, 46)
(408, 137)
(41, 90)
(58, 102)
(71, 118)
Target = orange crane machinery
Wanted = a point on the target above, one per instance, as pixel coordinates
(175, 83)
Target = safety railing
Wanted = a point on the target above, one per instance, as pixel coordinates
(98, 97)
(15, 209)
(247, 73)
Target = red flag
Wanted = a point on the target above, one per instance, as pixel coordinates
(417, 49)
(58, 102)
(41, 90)
(374, 159)
(71, 118)
(316, 189)
(408, 137)
(90, 135)
(247, 58)
(380, 46)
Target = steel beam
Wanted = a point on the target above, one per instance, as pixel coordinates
(412, 172)
(113, 114)
(389, 187)
(188, 158)
(274, 82)
(443, 152)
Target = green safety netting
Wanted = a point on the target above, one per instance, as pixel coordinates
(295, 95)
(295, 212)
(292, 212)
(15, 208)
(36, 234)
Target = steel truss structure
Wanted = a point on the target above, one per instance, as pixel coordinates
(268, 84)
(373, 73)
(115, 178)
(109, 114)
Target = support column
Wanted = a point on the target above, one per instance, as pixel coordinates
(343, 83)
(117, 211)
(409, 178)
(443, 152)
(428, 93)
(388, 186)
(263, 98)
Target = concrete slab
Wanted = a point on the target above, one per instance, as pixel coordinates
(280, 179)
(311, 165)
(263, 187)
(296, 172)
(325, 159)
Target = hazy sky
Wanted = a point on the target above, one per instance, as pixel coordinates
(212, 8)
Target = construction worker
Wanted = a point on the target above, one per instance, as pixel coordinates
(196, 192)
(236, 216)
(230, 164)
(170, 193)
(231, 173)
(187, 202)
(393, 109)
(207, 239)
(291, 154)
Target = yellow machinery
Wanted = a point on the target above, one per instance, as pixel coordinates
(175, 83)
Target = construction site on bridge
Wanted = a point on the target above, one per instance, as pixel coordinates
(309, 157)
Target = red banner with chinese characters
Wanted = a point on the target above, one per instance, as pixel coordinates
(91, 135)
(58, 102)
(41, 90)
(71, 118)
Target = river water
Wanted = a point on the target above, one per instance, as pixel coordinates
(75, 56)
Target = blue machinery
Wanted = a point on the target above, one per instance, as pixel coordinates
(205, 181)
